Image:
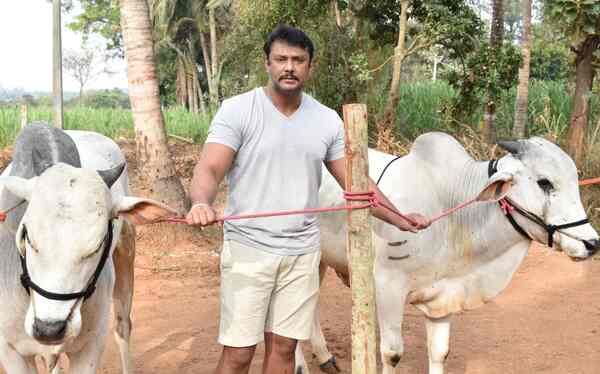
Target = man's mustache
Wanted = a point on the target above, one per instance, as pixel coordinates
(288, 77)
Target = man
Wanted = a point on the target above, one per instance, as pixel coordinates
(272, 143)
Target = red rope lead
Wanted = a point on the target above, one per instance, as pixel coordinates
(371, 202)
(586, 182)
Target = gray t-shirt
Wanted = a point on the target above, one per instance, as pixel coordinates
(277, 166)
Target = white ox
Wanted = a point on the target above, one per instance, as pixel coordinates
(61, 229)
(462, 261)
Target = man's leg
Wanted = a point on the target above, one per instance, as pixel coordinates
(279, 354)
(291, 312)
(247, 282)
(235, 360)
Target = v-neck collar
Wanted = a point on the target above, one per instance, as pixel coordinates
(285, 117)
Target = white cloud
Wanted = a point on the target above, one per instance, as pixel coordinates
(26, 48)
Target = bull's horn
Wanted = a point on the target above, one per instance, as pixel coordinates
(40, 164)
(110, 176)
(513, 146)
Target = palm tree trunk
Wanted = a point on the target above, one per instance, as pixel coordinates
(584, 77)
(153, 156)
(389, 113)
(57, 91)
(496, 38)
(523, 87)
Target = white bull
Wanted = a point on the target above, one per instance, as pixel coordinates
(465, 260)
(59, 226)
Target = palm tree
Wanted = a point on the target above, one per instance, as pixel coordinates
(152, 152)
(523, 88)
(182, 25)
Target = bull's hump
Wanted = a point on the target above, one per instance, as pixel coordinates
(52, 144)
(438, 148)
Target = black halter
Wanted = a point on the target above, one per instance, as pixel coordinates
(91, 287)
(550, 229)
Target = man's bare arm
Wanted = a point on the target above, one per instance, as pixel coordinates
(215, 161)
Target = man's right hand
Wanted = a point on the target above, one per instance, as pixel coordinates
(201, 214)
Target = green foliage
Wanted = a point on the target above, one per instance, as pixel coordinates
(114, 99)
(490, 70)
(101, 17)
(577, 18)
(550, 55)
(450, 23)
(113, 123)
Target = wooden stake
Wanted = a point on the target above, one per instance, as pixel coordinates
(359, 247)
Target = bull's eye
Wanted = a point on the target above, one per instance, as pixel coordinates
(545, 185)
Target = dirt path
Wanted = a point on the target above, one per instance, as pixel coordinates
(547, 321)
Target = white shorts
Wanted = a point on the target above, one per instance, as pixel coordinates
(264, 292)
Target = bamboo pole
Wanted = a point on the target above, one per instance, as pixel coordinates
(359, 248)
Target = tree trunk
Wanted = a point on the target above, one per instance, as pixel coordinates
(57, 91)
(156, 166)
(584, 76)
(181, 87)
(214, 91)
(199, 91)
(338, 15)
(389, 114)
(207, 66)
(523, 87)
(496, 38)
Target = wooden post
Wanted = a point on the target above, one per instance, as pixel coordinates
(23, 115)
(359, 248)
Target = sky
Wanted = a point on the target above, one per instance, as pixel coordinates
(26, 49)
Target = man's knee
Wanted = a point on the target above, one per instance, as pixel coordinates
(238, 358)
(283, 347)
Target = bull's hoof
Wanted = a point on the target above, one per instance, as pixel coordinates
(330, 366)
(299, 370)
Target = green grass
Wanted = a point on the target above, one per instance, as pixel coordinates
(113, 123)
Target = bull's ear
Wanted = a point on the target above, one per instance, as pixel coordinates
(18, 186)
(110, 176)
(141, 211)
(497, 187)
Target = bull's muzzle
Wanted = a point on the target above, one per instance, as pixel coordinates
(592, 246)
(49, 332)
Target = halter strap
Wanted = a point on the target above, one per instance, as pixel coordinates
(28, 284)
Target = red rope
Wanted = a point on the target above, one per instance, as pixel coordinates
(369, 197)
(587, 182)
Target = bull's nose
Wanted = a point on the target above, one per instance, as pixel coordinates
(592, 246)
(49, 332)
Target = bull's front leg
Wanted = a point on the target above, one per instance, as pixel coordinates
(87, 360)
(13, 362)
(438, 339)
(124, 258)
(390, 292)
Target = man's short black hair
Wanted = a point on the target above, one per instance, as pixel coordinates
(292, 36)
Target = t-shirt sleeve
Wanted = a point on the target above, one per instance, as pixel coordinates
(226, 127)
(336, 148)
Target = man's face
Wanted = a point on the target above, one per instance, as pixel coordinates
(288, 67)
